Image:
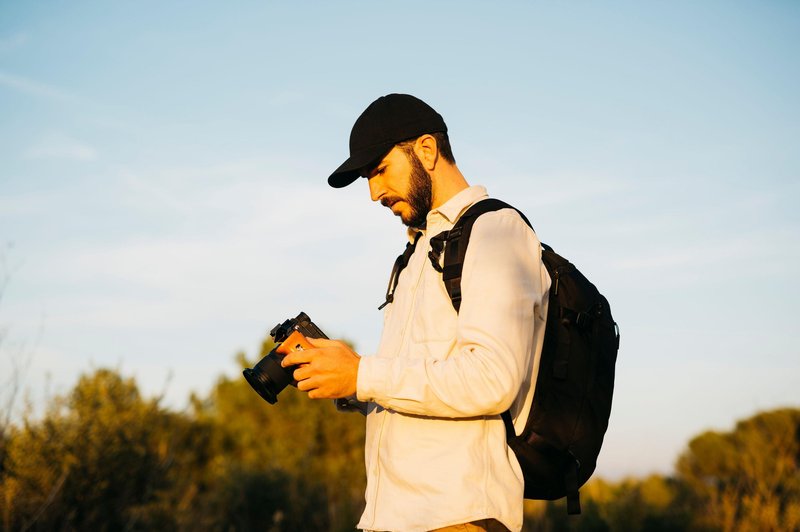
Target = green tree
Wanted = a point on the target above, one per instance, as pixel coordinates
(84, 460)
(105, 458)
(747, 479)
(313, 454)
(102, 458)
(632, 504)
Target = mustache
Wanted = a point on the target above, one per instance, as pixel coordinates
(389, 201)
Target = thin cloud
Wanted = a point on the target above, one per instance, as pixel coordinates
(739, 255)
(19, 205)
(285, 98)
(61, 146)
(677, 258)
(153, 192)
(13, 42)
(260, 250)
(33, 88)
(92, 111)
(577, 188)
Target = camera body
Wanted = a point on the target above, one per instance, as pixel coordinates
(268, 377)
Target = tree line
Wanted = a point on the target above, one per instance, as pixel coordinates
(103, 457)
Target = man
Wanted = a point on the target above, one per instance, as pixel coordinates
(436, 452)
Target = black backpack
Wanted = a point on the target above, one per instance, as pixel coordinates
(559, 445)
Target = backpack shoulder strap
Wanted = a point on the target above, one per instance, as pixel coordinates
(454, 244)
(399, 263)
(455, 251)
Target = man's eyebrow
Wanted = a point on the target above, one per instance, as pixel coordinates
(367, 171)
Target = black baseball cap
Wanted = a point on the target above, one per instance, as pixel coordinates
(387, 121)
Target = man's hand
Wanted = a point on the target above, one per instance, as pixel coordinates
(328, 371)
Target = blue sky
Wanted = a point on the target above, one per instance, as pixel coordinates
(163, 200)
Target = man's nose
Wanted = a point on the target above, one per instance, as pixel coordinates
(376, 187)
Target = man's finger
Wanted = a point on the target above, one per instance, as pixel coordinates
(297, 357)
(321, 342)
(314, 394)
(302, 372)
(306, 384)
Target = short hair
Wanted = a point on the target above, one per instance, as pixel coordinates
(442, 143)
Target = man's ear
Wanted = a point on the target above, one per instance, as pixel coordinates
(427, 151)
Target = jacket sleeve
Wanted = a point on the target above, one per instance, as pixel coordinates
(503, 286)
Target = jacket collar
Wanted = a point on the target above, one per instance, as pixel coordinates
(452, 208)
(446, 214)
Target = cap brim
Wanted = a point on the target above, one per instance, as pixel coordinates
(350, 170)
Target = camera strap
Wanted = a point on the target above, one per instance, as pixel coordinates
(399, 263)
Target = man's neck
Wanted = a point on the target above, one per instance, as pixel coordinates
(447, 182)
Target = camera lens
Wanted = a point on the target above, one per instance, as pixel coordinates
(268, 377)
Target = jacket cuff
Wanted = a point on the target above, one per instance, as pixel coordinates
(371, 381)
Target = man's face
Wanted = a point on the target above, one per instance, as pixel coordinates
(402, 184)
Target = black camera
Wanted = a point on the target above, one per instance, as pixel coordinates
(268, 377)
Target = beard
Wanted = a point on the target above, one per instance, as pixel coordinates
(420, 194)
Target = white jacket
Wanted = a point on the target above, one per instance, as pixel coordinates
(436, 451)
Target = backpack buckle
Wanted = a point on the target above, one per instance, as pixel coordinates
(437, 247)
